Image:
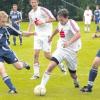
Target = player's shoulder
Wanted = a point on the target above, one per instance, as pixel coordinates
(72, 21)
(11, 12)
(43, 9)
(30, 12)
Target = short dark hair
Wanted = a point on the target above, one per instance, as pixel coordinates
(37, 0)
(63, 12)
(15, 5)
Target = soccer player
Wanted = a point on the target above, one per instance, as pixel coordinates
(42, 19)
(97, 21)
(92, 74)
(6, 54)
(16, 18)
(68, 45)
(87, 19)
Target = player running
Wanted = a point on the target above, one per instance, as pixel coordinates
(68, 45)
(16, 18)
(6, 54)
(87, 19)
(42, 19)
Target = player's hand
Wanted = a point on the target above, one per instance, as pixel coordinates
(39, 22)
(27, 34)
(66, 44)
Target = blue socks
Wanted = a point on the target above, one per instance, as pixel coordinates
(92, 76)
(9, 83)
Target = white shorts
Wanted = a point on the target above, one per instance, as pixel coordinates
(41, 43)
(69, 56)
(87, 21)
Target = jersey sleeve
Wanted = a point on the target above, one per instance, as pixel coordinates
(47, 13)
(74, 27)
(30, 18)
(12, 31)
(20, 16)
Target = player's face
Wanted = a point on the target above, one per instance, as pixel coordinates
(34, 3)
(15, 7)
(88, 8)
(3, 21)
(62, 20)
(97, 7)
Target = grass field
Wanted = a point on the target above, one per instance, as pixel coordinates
(59, 87)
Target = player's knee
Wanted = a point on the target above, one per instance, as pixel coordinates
(48, 56)
(72, 71)
(18, 65)
(52, 65)
(36, 56)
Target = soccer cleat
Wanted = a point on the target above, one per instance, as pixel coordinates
(76, 85)
(26, 66)
(86, 89)
(12, 92)
(34, 77)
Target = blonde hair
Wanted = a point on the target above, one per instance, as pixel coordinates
(3, 15)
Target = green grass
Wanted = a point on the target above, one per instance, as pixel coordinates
(59, 87)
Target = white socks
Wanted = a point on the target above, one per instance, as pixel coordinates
(36, 69)
(45, 79)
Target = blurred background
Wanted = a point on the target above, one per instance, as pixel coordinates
(75, 7)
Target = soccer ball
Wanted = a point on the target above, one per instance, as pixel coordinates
(39, 91)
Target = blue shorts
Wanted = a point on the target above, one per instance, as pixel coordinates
(97, 21)
(7, 55)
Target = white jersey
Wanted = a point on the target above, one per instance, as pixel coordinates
(66, 32)
(88, 15)
(41, 14)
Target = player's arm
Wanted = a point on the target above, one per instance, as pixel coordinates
(48, 16)
(20, 18)
(76, 33)
(29, 31)
(73, 39)
(54, 33)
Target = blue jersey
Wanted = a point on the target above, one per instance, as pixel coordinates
(97, 15)
(5, 32)
(15, 16)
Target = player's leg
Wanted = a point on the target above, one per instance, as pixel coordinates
(74, 77)
(88, 27)
(36, 66)
(6, 79)
(20, 38)
(20, 65)
(11, 58)
(54, 62)
(14, 40)
(92, 74)
(85, 26)
(48, 55)
(71, 58)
